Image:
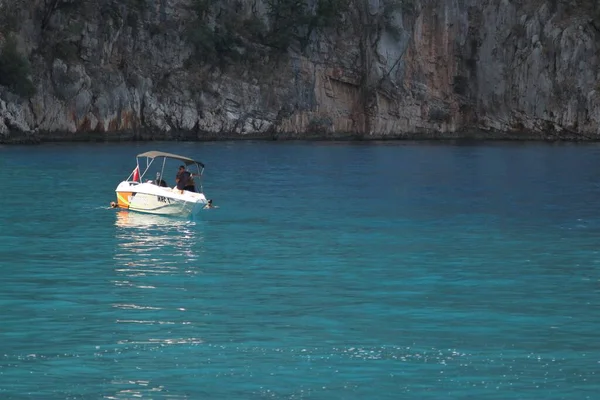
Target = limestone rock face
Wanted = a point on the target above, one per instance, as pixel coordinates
(501, 68)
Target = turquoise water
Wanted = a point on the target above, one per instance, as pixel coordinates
(330, 271)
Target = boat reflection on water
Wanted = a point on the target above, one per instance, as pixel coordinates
(130, 219)
(154, 244)
(156, 262)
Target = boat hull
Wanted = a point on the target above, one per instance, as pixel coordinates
(153, 199)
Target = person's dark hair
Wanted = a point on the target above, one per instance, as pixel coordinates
(182, 167)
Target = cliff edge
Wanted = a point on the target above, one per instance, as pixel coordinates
(202, 69)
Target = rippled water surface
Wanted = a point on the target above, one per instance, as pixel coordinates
(330, 271)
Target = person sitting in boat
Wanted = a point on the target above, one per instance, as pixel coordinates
(185, 180)
(162, 183)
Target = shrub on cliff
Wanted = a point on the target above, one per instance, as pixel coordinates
(224, 34)
(14, 70)
(229, 32)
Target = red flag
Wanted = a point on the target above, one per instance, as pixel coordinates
(136, 174)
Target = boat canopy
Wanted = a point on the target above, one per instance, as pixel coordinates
(185, 160)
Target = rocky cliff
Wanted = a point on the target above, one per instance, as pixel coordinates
(202, 69)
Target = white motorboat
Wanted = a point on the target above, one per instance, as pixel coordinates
(155, 196)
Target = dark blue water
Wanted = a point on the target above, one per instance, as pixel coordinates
(329, 271)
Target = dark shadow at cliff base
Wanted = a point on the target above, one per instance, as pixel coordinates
(466, 137)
